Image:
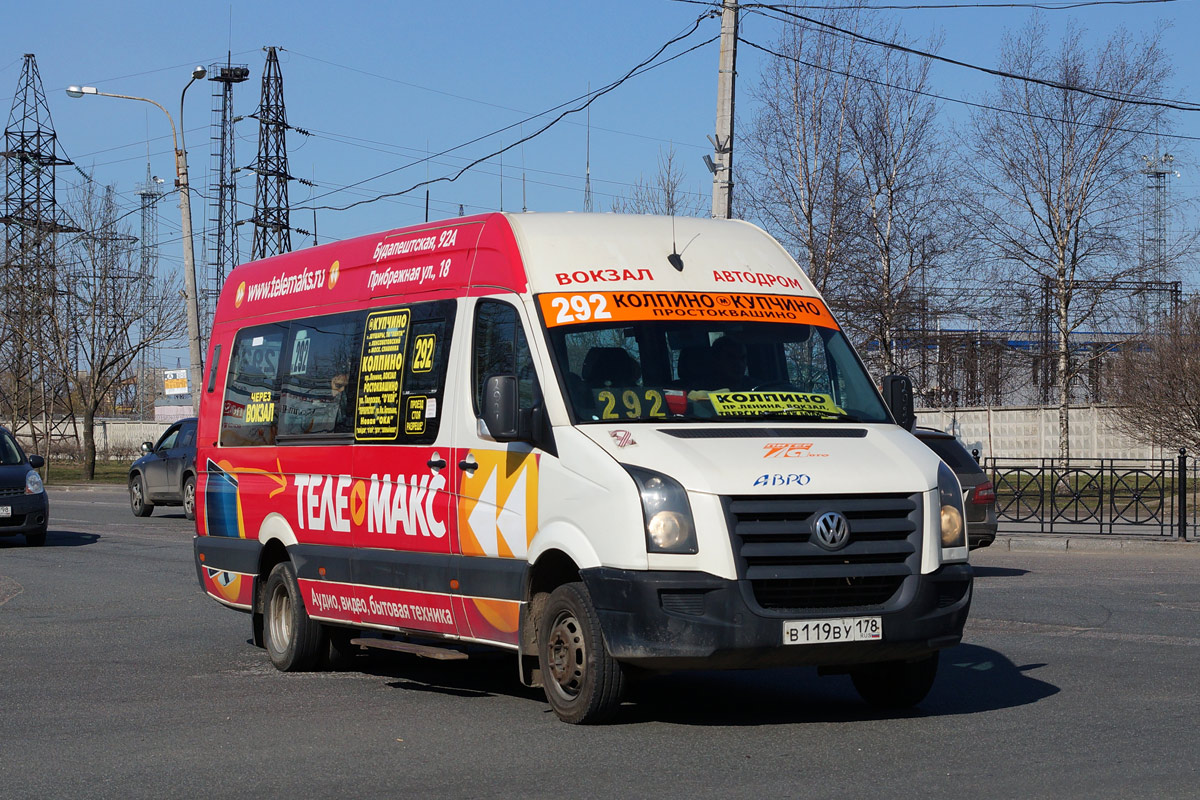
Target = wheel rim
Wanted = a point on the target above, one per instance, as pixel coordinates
(135, 494)
(567, 655)
(189, 498)
(280, 622)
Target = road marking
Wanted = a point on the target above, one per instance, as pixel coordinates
(9, 589)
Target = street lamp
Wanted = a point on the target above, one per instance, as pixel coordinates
(185, 212)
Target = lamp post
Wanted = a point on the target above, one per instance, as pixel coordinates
(191, 299)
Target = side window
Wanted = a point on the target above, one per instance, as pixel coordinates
(320, 375)
(248, 414)
(168, 439)
(500, 348)
(187, 435)
(425, 376)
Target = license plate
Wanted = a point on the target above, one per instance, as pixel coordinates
(842, 629)
(5, 511)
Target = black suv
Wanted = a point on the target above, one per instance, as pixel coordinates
(979, 496)
(24, 507)
(166, 474)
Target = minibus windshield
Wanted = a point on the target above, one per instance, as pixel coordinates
(679, 370)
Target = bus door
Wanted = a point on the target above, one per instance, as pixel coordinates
(498, 484)
(405, 526)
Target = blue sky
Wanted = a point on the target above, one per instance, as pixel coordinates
(383, 84)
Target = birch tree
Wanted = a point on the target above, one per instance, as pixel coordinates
(1056, 174)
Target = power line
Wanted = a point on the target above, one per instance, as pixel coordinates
(956, 100)
(640, 68)
(1120, 97)
(934, 6)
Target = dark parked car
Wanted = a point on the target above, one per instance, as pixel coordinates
(24, 507)
(166, 474)
(979, 496)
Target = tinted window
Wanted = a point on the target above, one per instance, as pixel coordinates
(10, 453)
(168, 439)
(953, 453)
(500, 348)
(248, 414)
(366, 376)
(320, 375)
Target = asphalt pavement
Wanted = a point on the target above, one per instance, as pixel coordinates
(119, 679)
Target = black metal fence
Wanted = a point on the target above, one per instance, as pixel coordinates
(1130, 497)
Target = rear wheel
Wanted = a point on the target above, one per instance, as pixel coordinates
(896, 684)
(189, 497)
(582, 681)
(294, 642)
(137, 498)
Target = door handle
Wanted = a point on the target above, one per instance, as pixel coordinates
(436, 463)
(468, 466)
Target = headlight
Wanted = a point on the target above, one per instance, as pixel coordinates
(954, 530)
(33, 483)
(667, 514)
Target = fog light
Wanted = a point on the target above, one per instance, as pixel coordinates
(952, 527)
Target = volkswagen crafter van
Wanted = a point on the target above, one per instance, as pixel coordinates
(609, 444)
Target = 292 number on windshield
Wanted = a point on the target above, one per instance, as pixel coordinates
(822, 631)
(630, 406)
(580, 308)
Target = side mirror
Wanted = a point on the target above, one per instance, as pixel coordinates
(898, 394)
(147, 447)
(37, 462)
(500, 408)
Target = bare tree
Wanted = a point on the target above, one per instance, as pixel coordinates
(796, 162)
(845, 164)
(1155, 382)
(664, 194)
(1055, 176)
(107, 313)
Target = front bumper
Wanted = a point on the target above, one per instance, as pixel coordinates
(687, 620)
(27, 513)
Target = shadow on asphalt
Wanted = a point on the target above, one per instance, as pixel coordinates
(53, 539)
(971, 679)
(998, 572)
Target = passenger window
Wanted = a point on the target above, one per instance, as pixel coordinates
(187, 436)
(425, 375)
(500, 348)
(168, 439)
(248, 415)
(320, 375)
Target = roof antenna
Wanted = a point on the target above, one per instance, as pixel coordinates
(675, 260)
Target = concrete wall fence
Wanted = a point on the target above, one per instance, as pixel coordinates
(1014, 432)
(115, 438)
(1031, 432)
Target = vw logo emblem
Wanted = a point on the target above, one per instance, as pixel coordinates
(831, 530)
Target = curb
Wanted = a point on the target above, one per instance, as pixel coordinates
(1093, 544)
(84, 487)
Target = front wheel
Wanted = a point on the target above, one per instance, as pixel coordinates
(582, 681)
(189, 497)
(295, 643)
(137, 498)
(896, 684)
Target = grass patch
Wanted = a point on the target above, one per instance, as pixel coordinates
(107, 472)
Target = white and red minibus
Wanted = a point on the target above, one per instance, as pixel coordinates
(598, 441)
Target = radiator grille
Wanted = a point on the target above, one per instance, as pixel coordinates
(787, 571)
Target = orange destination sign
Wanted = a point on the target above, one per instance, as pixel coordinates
(573, 308)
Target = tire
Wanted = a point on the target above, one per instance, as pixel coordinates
(294, 642)
(341, 652)
(189, 497)
(36, 538)
(137, 498)
(896, 684)
(582, 681)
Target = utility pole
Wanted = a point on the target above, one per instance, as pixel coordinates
(722, 166)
